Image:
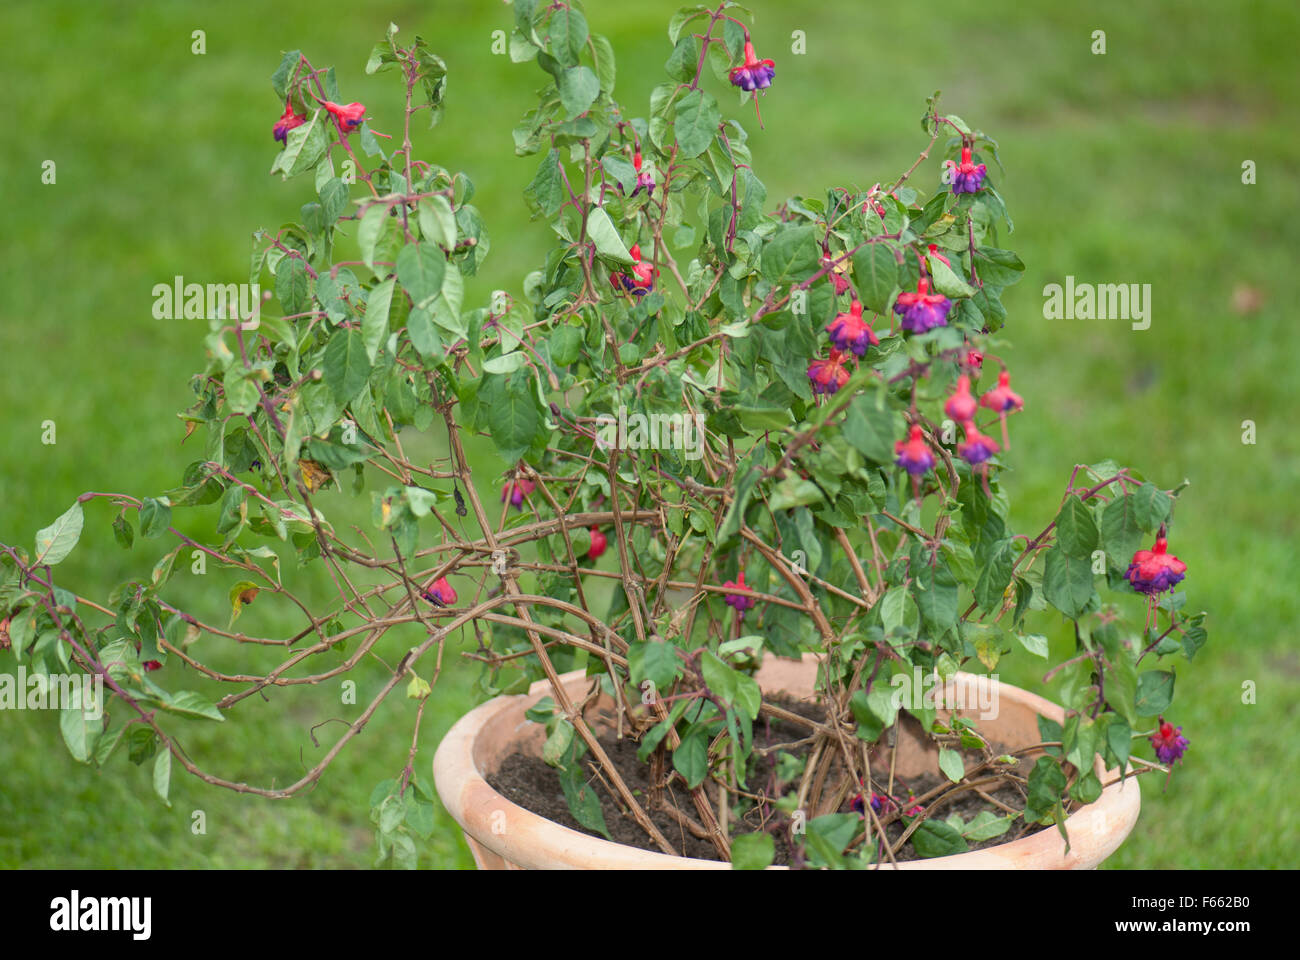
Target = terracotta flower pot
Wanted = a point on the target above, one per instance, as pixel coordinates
(505, 836)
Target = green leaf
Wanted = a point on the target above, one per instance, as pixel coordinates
(875, 275)
(791, 255)
(696, 124)
(546, 189)
(605, 236)
(80, 731)
(579, 88)
(56, 541)
(1155, 691)
(1046, 783)
(370, 229)
(935, 590)
(1035, 643)
(691, 758)
(566, 345)
(162, 776)
(1076, 532)
(870, 429)
(1151, 506)
(604, 56)
(374, 325)
(752, 851)
(509, 404)
(1067, 582)
(947, 282)
(438, 221)
(986, 825)
(155, 517)
(934, 838)
(995, 575)
(950, 763)
(654, 661)
(346, 366)
(187, 703)
(303, 148)
(420, 269)
(123, 532)
(567, 32)
(1121, 534)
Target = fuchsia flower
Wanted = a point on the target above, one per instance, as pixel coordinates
(974, 360)
(914, 454)
(440, 593)
(516, 490)
(645, 179)
(966, 176)
(642, 278)
(1169, 742)
(348, 118)
(736, 601)
(753, 74)
(1156, 570)
(828, 375)
(288, 120)
(977, 448)
(850, 332)
(922, 310)
(1003, 400)
(150, 665)
(961, 406)
(598, 544)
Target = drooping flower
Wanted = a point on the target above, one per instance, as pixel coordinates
(828, 374)
(974, 360)
(598, 544)
(645, 179)
(850, 332)
(1169, 742)
(150, 665)
(922, 310)
(1003, 400)
(977, 448)
(967, 177)
(348, 118)
(440, 593)
(753, 74)
(516, 490)
(1156, 570)
(914, 454)
(738, 602)
(288, 120)
(642, 278)
(961, 406)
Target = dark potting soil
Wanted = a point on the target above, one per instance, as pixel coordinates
(531, 783)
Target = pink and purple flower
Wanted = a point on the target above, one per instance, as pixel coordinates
(978, 448)
(645, 179)
(914, 454)
(961, 406)
(922, 311)
(1003, 400)
(516, 490)
(1156, 570)
(753, 74)
(849, 332)
(440, 593)
(1169, 742)
(967, 177)
(641, 279)
(288, 120)
(737, 601)
(828, 374)
(348, 118)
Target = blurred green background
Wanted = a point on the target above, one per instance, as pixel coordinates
(1124, 167)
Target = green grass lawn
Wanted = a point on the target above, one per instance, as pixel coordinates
(1119, 168)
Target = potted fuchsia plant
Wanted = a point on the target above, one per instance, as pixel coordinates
(751, 558)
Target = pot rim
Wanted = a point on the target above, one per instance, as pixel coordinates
(529, 840)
